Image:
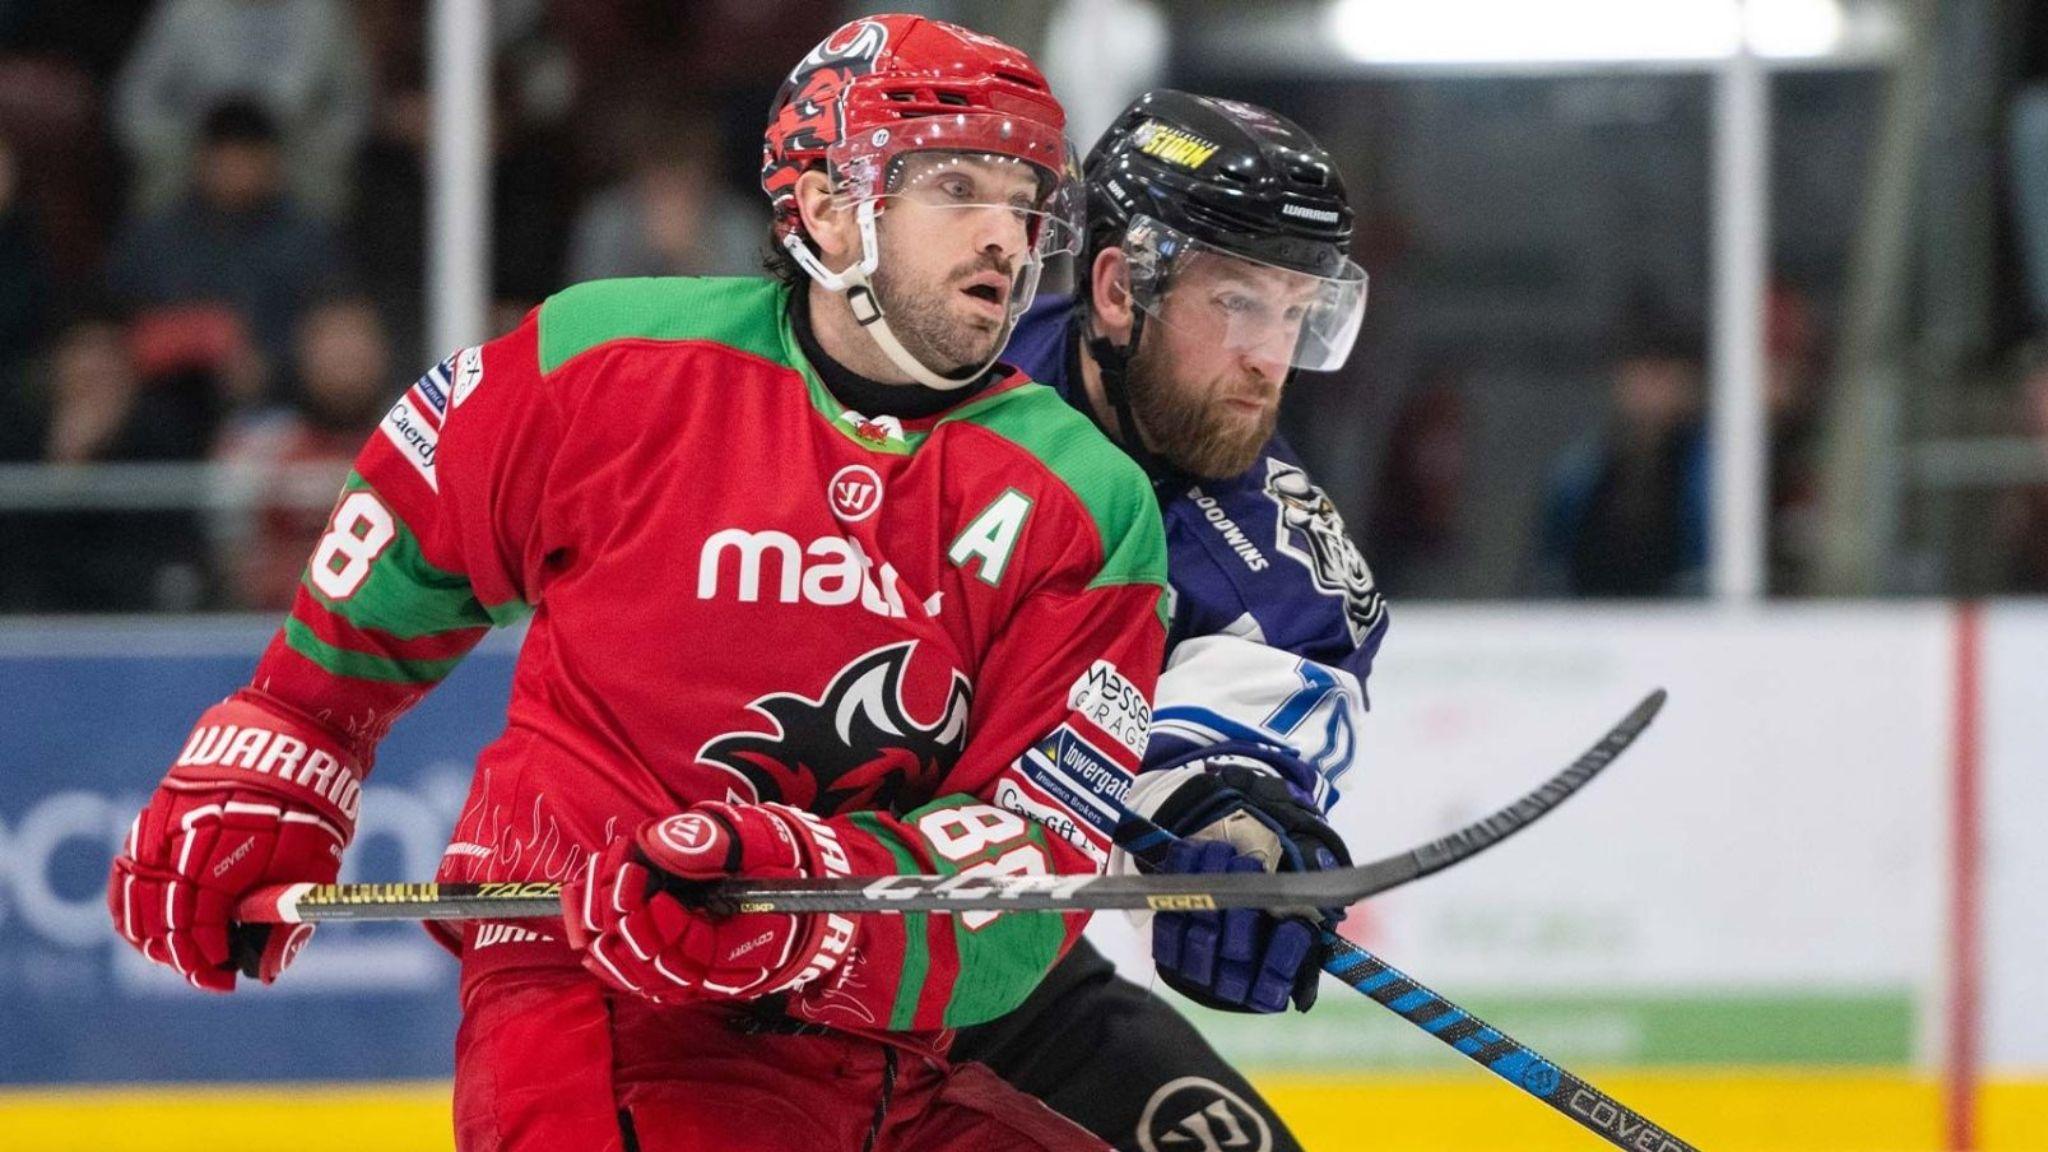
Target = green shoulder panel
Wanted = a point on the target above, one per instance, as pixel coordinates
(1108, 483)
(739, 312)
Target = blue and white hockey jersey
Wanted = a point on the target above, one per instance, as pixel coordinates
(1263, 559)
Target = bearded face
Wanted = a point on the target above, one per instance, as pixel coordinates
(952, 241)
(945, 332)
(1212, 360)
(1212, 425)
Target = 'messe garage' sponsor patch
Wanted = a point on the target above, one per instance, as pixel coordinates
(1113, 704)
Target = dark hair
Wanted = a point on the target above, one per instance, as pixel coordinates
(777, 261)
(238, 120)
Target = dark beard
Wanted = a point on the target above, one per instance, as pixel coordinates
(928, 331)
(1188, 436)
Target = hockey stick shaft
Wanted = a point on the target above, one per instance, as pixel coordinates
(1501, 1054)
(295, 903)
(956, 894)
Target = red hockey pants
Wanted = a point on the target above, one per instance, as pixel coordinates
(548, 1060)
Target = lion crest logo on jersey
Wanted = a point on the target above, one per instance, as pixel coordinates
(1310, 530)
(855, 747)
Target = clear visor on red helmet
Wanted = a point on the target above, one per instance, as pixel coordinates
(969, 161)
(1243, 304)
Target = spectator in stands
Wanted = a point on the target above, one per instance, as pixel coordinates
(299, 60)
(24, 305)
(24, 288)
(531, 197)
(297, 456)
(1626, 515)
(1420, 496)
(93, 393)
(92, 37)
(387, 222)
(2023, 512)
(237, 242)
(672, 215)
(1794, 368)
(62, 175)
(101, 411)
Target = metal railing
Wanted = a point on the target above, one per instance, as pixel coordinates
(166, 487)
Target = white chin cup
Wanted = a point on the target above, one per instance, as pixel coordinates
(857, 284)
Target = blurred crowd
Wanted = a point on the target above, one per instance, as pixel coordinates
(1625, 513)
(1624, 510)
(212, 228)
(212, 239)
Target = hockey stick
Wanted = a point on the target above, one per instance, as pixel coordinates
(1332, 888)
(1506, 1057)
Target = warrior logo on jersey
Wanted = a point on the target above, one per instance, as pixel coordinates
(1310, 530)
(854, 747)
(856, 491)
(1199, 1115)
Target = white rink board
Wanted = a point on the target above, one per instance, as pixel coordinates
(1782, 826)
(2015, 832)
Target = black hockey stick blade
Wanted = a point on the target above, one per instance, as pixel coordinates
(1496, 1051)
(1332, 888)
(1484, 833)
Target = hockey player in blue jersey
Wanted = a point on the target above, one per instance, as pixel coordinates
(1217, 263)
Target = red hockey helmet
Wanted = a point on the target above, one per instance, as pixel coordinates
(884, 88)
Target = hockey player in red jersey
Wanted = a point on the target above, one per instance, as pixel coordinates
(815, 588)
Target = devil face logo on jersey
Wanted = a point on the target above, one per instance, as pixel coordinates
(1312, 532)
(854, 747)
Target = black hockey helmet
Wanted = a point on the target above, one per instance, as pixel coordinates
(1179, 178)
(1232, 175)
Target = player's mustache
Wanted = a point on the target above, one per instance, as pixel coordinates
(1255, 386)
(986, 262)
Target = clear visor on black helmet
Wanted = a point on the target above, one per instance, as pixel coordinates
(1244, 304)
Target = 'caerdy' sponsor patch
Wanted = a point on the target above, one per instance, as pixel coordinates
(416, 432)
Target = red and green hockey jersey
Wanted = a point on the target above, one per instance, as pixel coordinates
(940, 633)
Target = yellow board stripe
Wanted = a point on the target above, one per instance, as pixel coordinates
(248, 1118)
(1725, 1110)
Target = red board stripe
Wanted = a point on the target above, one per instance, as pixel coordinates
(1965, 850)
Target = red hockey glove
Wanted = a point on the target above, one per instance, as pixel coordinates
(623, 914)
(260, 795)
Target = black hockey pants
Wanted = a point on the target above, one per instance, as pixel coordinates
(1123, 1063)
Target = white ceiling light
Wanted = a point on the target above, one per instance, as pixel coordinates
(1796, 28)
(1578, 31)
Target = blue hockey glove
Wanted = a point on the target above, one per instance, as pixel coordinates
(1236, 816)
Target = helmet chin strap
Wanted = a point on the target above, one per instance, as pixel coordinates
(857, 285)
(1114, 363)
